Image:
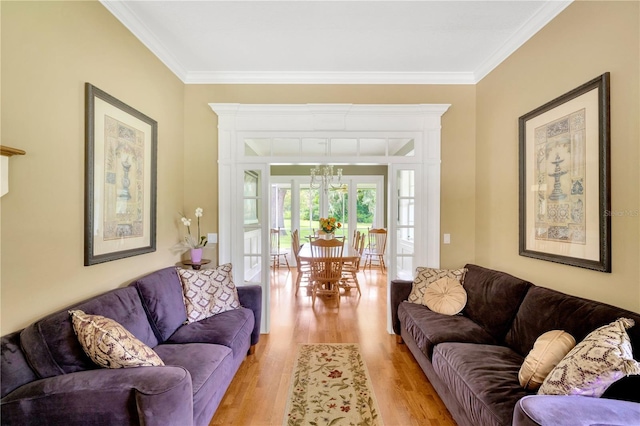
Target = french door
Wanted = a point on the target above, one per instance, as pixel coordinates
(357, 203)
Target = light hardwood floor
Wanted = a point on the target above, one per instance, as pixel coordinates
(258, 394)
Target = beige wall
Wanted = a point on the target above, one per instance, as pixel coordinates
(458, 144)
(584, 41)
(49, 50)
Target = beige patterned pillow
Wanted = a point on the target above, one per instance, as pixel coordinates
(602, 358)
(445, 296)
(425, 276)
(208, 292)
(548, 350)
(109, 344)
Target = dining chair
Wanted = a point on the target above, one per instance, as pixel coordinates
(376, 247)
(326, 268)
(303, 266)
(350, 269)
(276, 251)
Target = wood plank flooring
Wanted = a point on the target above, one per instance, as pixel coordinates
(258, 394)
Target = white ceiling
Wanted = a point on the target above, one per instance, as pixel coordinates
(395, 42)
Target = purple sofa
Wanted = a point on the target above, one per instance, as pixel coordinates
(472, 360)
(47, 379)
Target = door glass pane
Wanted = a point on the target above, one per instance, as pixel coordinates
(257, 147)
(344, 147)
(401, 147)
(286, 147)
(406, 223)
(281, 214)
(338, 207)
(309, 212)
(315, 146)
(366, 206)
(252, 247)
(375, 147)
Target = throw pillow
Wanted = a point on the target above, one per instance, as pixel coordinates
(445, 296)
(425, 276)
(548, 350)
(602, 358)
(109, 344)
(208, 292)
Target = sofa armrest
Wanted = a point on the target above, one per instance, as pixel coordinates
(142, 395)
(251, 298)
(400, 290)
(573, 410)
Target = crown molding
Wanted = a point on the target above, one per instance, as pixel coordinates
(541, 18)
(123, 13)
(271, 77)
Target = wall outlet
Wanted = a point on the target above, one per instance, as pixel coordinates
(447, 238)
(212, 238)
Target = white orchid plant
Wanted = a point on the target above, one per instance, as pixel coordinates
(192, 241)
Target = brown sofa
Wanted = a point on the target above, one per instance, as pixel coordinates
(472, 359)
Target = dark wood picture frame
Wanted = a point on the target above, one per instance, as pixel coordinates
(120, 179)
(565, 178)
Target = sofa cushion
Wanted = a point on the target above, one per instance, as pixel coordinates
(14, 368)
(426, 276)
(574, 411)
(109, 344)
(161, 295)
(445, 296)
(493, 298)
(602, 358)
(430, 328)
(547, 352)
(212, 368)
(482, 378)
(52, 348)
(544, 309)
(232, 329)
(208, 292)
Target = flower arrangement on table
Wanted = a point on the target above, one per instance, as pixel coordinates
(329, 225)
(195, 243)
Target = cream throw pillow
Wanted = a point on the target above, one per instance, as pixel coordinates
(445, 296)
(546, 353)
(109, 344)
(208, 292)
(602, 358)
(426, 276)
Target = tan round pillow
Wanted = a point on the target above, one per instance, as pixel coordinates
(445, 296)
(548, 350)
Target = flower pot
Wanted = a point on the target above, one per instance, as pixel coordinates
(196, 255)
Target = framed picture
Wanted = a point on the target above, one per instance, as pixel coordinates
(120, 179)
(565, 179)
(250, 197)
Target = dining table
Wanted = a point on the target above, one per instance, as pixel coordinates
(349, 254)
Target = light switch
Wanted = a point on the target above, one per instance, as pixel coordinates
(212, 238)
(447, 238)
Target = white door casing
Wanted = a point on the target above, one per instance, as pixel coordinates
(294, 126)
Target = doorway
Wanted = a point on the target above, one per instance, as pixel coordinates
(403, 138)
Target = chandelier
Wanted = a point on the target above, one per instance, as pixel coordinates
(322, 177)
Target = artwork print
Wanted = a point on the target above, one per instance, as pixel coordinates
(565, 179)
(560, 176)
(124, 181)
(120, 179)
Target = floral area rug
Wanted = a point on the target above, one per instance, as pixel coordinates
(330, 386)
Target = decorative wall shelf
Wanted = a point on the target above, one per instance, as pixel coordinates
(5, 153)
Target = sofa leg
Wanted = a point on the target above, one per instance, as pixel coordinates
(252, 350)
(399, 340)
